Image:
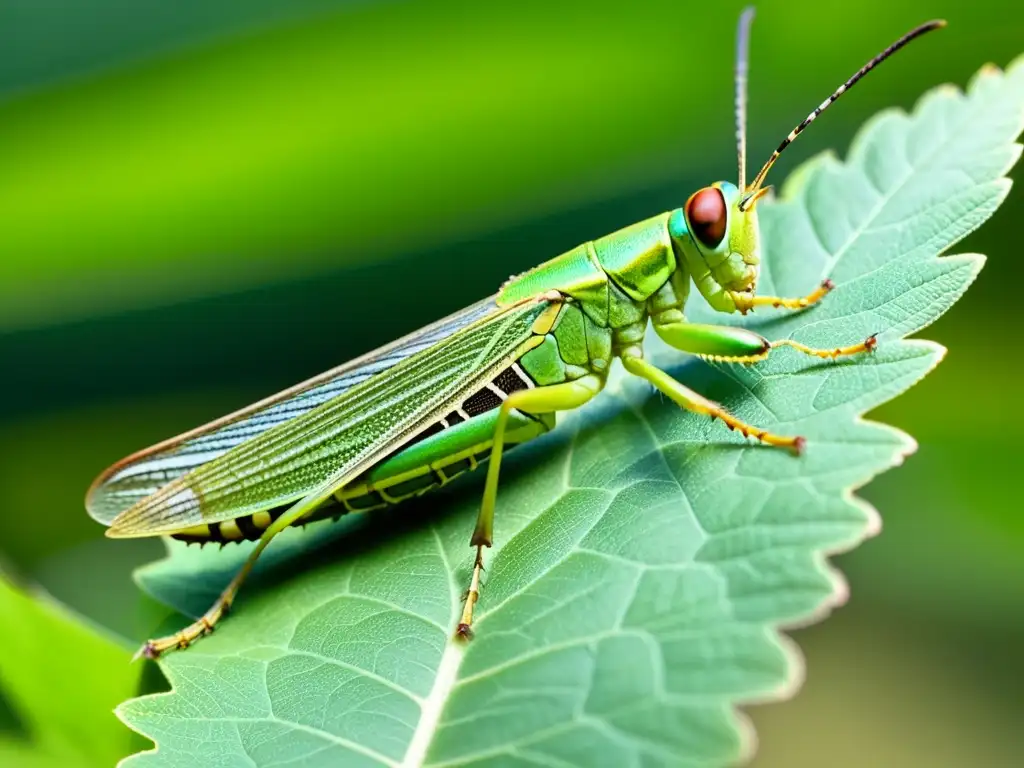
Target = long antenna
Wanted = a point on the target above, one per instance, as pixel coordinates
(911, 35)
(742, 65)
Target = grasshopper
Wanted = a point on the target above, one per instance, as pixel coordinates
(411, 416)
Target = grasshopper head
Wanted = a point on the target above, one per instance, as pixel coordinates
(718, 237)
(715, 234)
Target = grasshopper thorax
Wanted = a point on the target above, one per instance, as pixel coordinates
(715, 236)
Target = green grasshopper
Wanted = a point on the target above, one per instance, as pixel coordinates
(408, 418)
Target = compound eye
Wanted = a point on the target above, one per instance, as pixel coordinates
(705, 210)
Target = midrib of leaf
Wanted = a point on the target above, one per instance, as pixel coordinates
(432, 707)
(447, 677)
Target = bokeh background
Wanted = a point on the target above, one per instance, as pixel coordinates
(205, 201)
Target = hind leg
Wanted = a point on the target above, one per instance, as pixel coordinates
(555, 397)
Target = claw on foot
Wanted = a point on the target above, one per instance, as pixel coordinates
(147, 651)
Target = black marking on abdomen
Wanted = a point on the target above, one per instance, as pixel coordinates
(190, 539)
(247, 525)
(456, 468)
(249, 529)
(512, 379)
(481, 402)
(488, 397)
(433, 429)
(399, 491)
(366, 501)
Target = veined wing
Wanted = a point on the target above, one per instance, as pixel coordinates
(340, 438)
(144, 473)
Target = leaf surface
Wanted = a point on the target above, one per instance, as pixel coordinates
(646, 559)
(61, 680)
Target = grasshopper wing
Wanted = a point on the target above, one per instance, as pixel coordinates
(318, 435)
(144, 473)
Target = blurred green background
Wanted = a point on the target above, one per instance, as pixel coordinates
(203, 202)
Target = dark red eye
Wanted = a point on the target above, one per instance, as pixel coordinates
(705, 210)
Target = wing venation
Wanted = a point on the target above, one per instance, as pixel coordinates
(338, 438)
(144, 473)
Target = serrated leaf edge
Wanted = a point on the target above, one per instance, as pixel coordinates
(796, 663)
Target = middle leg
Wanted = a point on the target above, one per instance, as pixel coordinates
(723, 343)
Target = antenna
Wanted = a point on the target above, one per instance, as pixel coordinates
(755, 185)
(742, 65)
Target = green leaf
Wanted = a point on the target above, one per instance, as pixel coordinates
(646, 559)
(62, 680)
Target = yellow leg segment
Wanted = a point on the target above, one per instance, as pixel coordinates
(691, 401)
(204, 624)
(868, 345)
(728, 344)
(465, 628)
(830, 354)
(745, 302)
(555, 397)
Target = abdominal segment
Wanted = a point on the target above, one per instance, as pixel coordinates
(454, 444)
